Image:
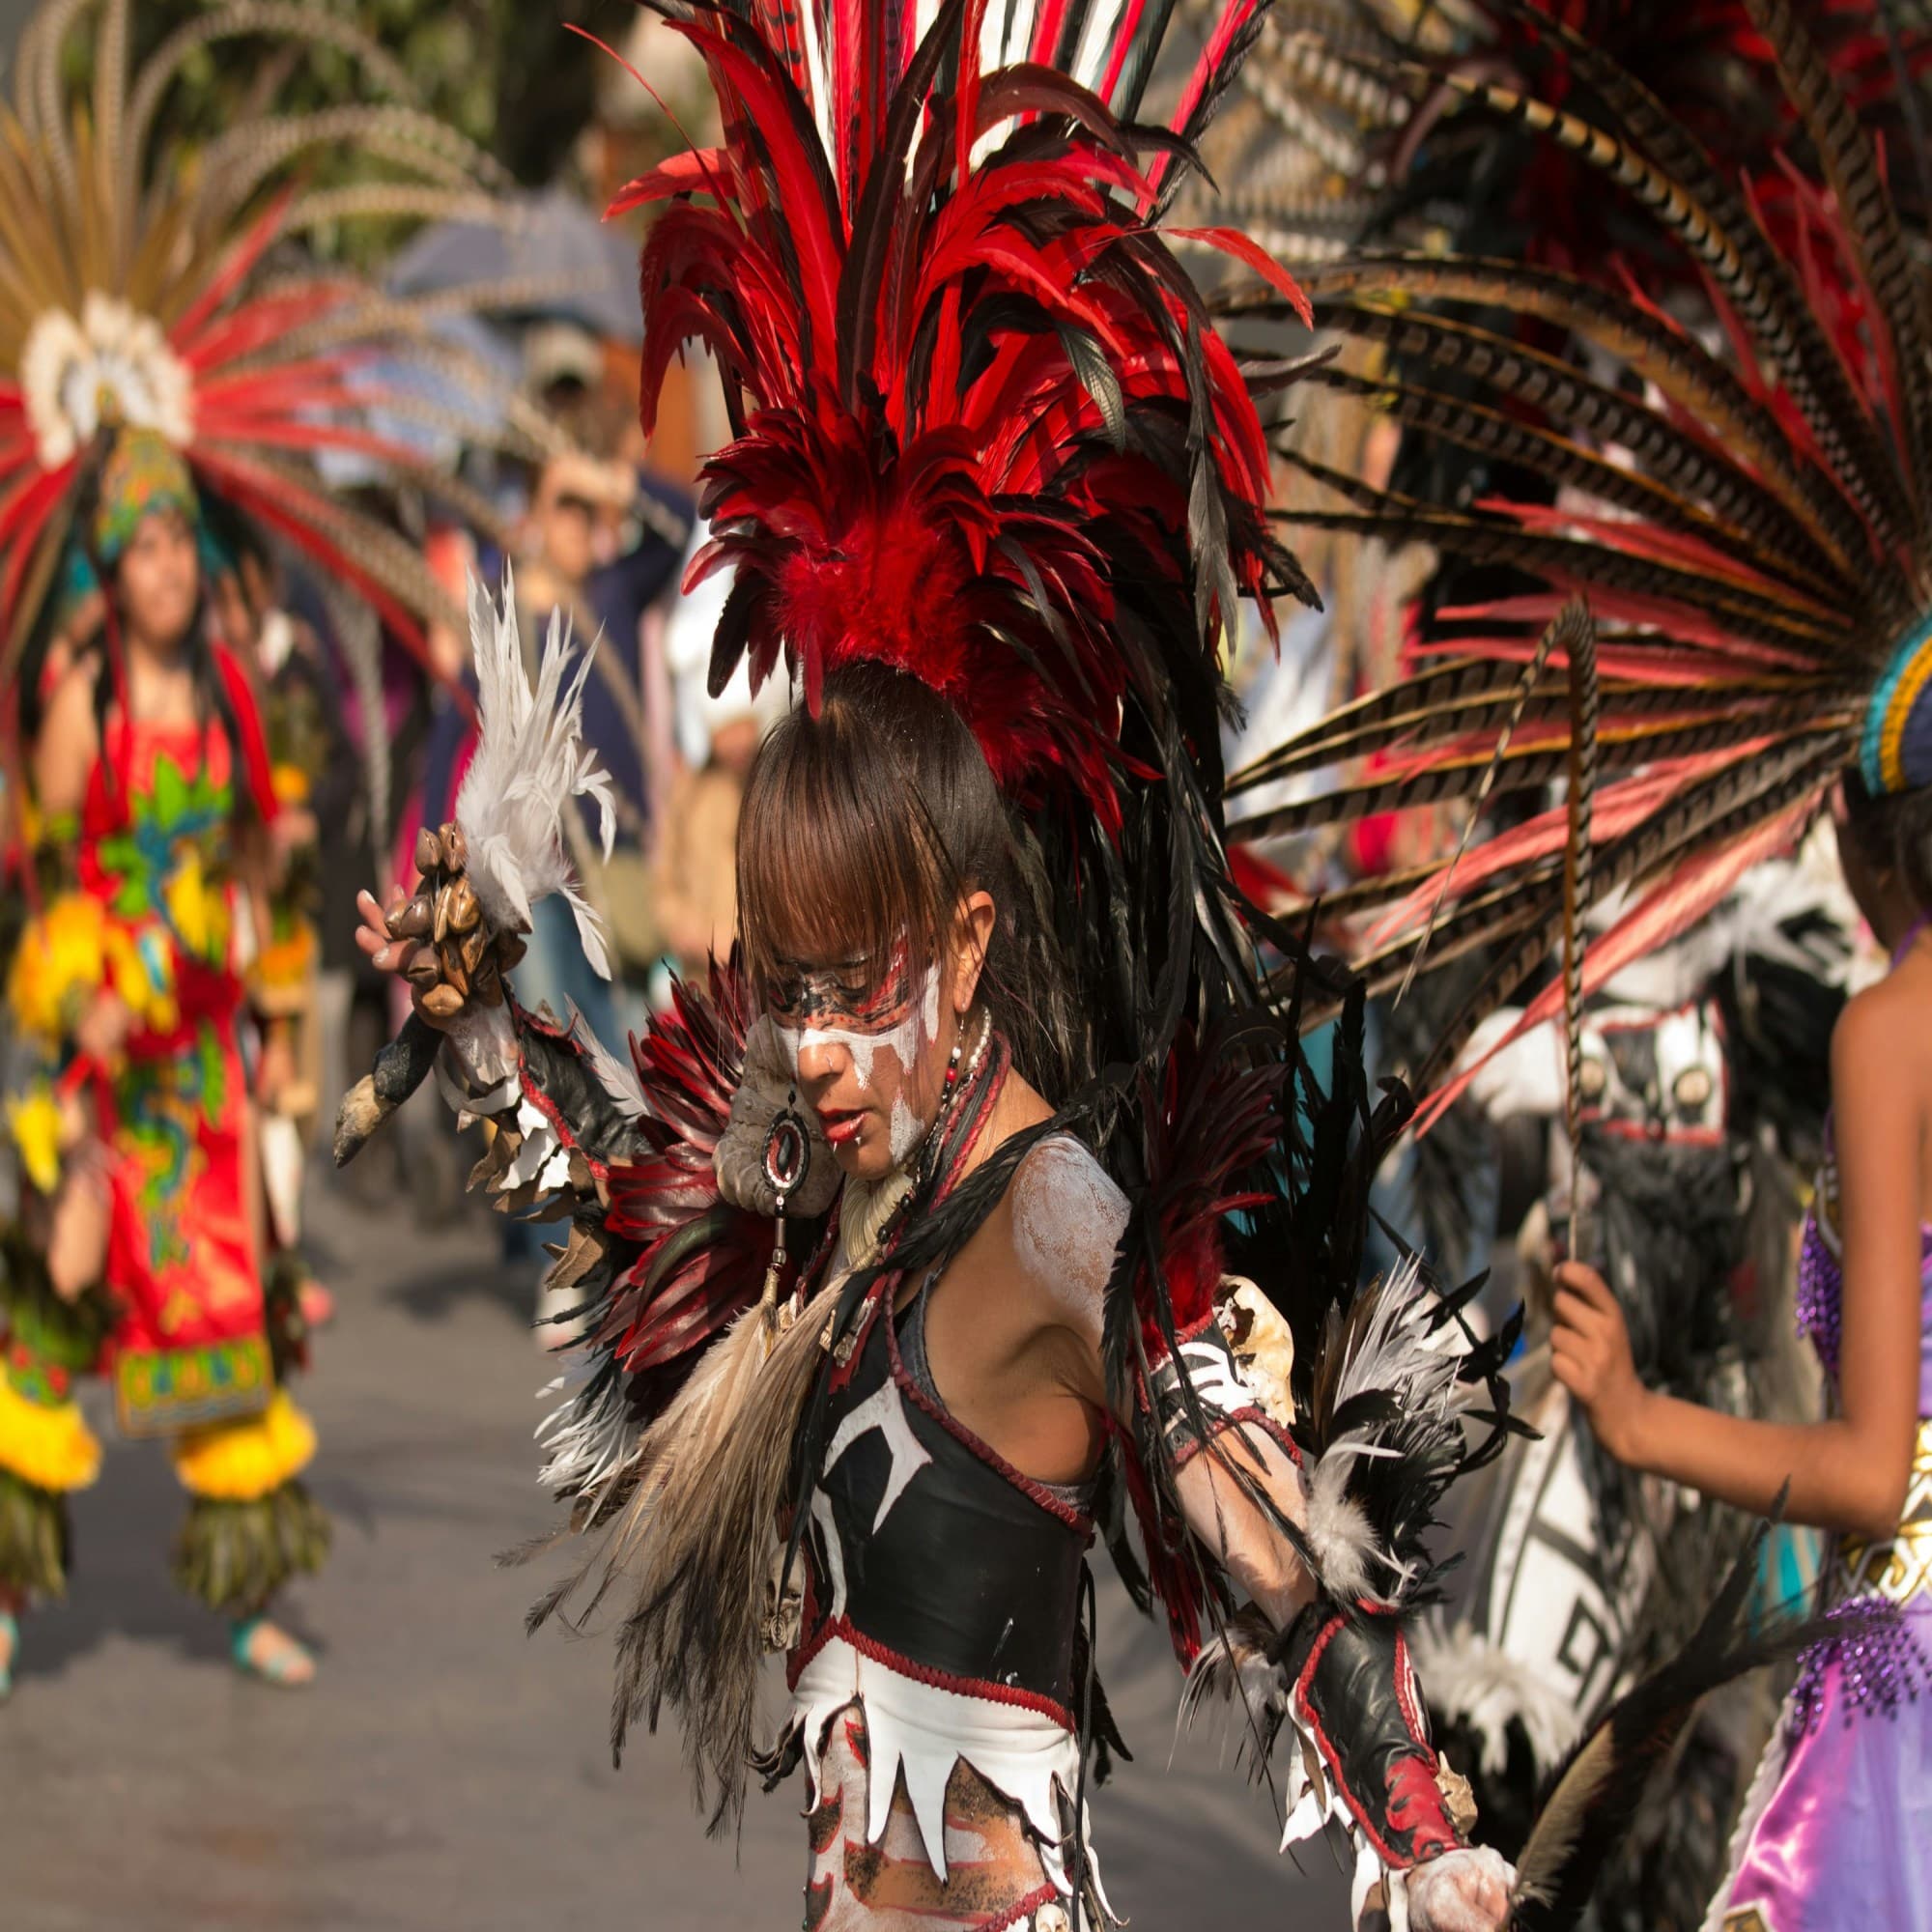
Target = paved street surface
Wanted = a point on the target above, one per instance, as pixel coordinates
(447, 1772)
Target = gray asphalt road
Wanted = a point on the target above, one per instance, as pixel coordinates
(447, 1772)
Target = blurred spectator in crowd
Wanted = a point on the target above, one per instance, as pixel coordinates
(580, 511)
(317, 785)
(695, 877)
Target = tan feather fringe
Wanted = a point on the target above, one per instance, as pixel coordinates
(696, 1549)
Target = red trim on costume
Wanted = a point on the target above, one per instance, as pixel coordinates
(1409, 1810)
(1221, 1420)
(521, 1017)
(1022, 1909)
(922, 1673)
(1311, 1719)
(1159, 1354)
(1415, 1807)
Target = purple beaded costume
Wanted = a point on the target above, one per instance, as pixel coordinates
(1836, 1833)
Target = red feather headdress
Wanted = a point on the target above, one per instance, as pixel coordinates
(982, 421)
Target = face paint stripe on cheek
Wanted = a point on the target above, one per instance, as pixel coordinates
(914, 1028)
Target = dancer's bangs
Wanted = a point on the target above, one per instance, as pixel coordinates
(839, 861)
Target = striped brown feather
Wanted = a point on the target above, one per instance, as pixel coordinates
(1743, 707)
(1570, 401)
(1709, 815)
(1485, 538)
(1528, 767)
(1511, 440)
(1691, 378)
(1560, 634)
(1870, 221)
(1456, 691)
(1762, 289)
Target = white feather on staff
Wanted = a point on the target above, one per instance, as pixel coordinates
(531, 767)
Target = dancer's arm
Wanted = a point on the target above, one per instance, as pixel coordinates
(65, 751)
(1849, 1472)
(1332, 1665)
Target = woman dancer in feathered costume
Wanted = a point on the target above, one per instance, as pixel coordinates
(162, 344)
(908, 1249)
(1747, 513)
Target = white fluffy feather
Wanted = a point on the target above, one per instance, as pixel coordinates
(1339, 1536)
(1474, 1682)
(616, 1074)
(531, 764)
(1390, 1347)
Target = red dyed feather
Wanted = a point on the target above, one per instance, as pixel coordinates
(1008, 312)
(681, 1293)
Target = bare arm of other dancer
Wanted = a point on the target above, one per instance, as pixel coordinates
(64, 752)
(1850, 1471)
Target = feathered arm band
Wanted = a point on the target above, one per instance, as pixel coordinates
(1321, 1657)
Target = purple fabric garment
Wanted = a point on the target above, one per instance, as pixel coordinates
(1836, 1835)
(1845, 1841)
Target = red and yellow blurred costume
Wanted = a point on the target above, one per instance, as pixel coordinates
(153, 916)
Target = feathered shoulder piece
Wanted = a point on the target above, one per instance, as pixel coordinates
(1739, 486)
(660, 1259)
(1250, 1220)
(983, 428)
(669, 1241)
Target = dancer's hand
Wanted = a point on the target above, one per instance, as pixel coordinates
(436, 936)
(386, 952)
(1590, 1354)
(413, 959)
(1465, 1891)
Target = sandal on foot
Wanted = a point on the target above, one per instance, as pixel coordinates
(288, 1664)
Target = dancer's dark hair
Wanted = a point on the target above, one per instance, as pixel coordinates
(1893, 831)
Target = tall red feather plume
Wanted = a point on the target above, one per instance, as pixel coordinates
(963, 371)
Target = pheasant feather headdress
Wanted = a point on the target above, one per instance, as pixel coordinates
(147, 287)
(1746, 505)
(983, 428)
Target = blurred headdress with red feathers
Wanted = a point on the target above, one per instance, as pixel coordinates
(1728, 456)
(150, 287)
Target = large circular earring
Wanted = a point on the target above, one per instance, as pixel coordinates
(787, 1152)
(787, 1149)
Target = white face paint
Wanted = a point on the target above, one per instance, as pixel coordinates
(907, 1040)
(905, 1132)
(863, 1079)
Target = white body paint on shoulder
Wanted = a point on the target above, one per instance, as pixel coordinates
(1068, 1221)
